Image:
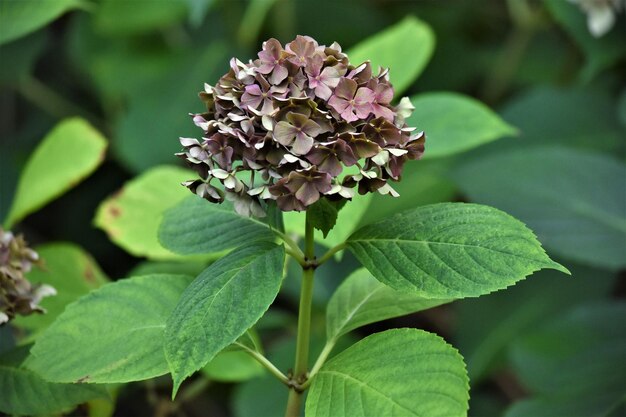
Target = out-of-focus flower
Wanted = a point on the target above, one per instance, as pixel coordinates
(283, 128)
(17, 294)
(601, 14)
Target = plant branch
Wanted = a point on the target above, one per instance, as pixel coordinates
(266, 363)
(330, 253)
(293, 248)
(321, 359)
(294, 403)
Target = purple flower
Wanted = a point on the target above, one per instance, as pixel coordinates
(321, 81)
(255, 94)
(329, 156)
(352, 103)
(297, 132)
(270, 61)
(308, 185)
(302, 48)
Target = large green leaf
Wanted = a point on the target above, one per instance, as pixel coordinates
(450, 250)
(71, 271)
(406, 372)
(574, 200)
(147, 134)
(572, 363)
(484, 337)
(25, 393)
(455, 123)
(220, 305)
(361, 300)
(195, 226)
(113, 334)
(20, 17)
(404, 48)
(131, 217)
(68, 154)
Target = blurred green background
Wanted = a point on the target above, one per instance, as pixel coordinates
(551, 346)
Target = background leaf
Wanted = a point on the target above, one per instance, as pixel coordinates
(71, 271)
(19, 18)
(168, 101)
(361, 299)
(449, 250)
(455, 123)
(195, 226)
(113, 334)
(570, 363)
(120, 17)
(404, 48)
(132, 216)
(68, 154)
(233, 366)
(555, 190)
(484, 337)
(392, 373)
(220, 305)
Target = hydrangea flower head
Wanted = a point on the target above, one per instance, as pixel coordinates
(17, 294)
(298, 124)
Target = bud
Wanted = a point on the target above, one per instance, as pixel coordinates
(285, 127)
(17, 294)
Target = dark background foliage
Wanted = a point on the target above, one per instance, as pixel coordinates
(549, 346)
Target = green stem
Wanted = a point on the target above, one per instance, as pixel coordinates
(266, 363)
(294, 403)
(331, 252)
(293, 248)
(321, 359)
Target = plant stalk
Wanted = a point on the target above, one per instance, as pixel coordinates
(294, 403)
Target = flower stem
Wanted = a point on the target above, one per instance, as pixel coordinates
(294, 404)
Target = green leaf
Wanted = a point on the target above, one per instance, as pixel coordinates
(121, 17)
(19, 18)
(450, 250)
(68, 154)
(196, 226)
(113, 334)
(71, 271)
(484, 337)
(220, 305)
(323, 214)
(25, 393)
(455, 123)
(582, 118)
(571, 363)
(574, 200)
(131, 217)
(348, 219)
(171, 97)
(406, 372)
(233, 366)
(361, 300)
(405, 48)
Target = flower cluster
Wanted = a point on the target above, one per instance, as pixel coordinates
(297, 124)
(17, 294)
